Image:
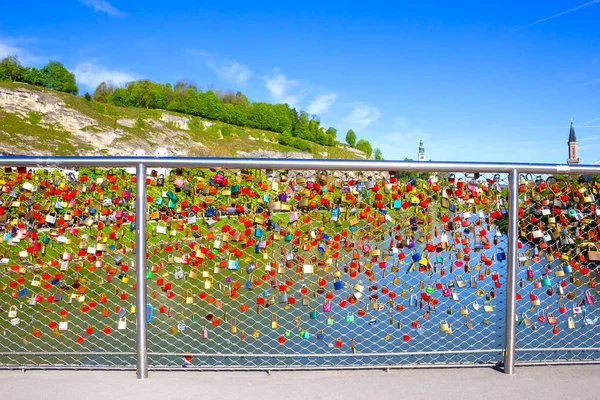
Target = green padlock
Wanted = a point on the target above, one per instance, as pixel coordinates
(545, 281)
(330, 320)
(149, 275)
(350, 318)
(313, 314)
(304, 334)
(429, 289)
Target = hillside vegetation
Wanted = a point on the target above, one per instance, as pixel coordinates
(223, 114)
(36, 120)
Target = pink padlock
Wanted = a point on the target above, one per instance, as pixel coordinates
(588, 297)
(327, 307)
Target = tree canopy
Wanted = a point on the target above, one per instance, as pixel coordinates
(297, 127)
(54, 75)
(351, 138)
(364, 146)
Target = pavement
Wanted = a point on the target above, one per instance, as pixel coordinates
(546, 382)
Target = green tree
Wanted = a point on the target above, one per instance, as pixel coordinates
(120, 97)
(33, 76)
(301, 128)
(11, 69)
(378, 155)
(191, 101)
(103, 92)
(284, 122)
(285, 138)
(262, 116)
(163, 94)
(364, 146)
(87, 96)
(209, 105)
(57, 77)
(330, 136)
(141, 93)
(314, 127)
(232, 114)
(351, 138)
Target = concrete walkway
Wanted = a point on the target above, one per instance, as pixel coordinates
(581, 382)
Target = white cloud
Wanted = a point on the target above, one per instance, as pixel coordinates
(362, 115)
(228, 70)
(279, 87)
(11, 47)
(91, 75)
(321, 104)
(103, 6)
(231, 71)
(8, 50)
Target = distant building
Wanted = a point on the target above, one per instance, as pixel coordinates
(573, 147)
(421, 156)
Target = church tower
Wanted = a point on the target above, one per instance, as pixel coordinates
(573, 147)
(421, 151)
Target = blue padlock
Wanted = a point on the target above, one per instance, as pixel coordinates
(149, 312)
(500, 255)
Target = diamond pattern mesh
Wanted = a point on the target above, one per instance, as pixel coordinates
(558, 269)
(264, 269)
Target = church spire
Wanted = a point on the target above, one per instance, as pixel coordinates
(572, 137)
(573, 146)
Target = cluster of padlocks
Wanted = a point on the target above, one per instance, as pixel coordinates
(248, 261)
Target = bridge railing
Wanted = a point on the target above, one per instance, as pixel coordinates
(208, 264)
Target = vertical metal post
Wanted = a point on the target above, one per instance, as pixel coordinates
(140, 264)
(511, 272)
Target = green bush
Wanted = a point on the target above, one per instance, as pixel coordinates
(301, 145)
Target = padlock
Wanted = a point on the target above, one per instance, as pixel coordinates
(444, 326)
(545, 280)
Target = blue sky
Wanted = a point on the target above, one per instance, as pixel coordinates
(478, 81)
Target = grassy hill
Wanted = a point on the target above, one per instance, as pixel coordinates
(35, 120)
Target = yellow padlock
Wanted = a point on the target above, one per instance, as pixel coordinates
(444, 326)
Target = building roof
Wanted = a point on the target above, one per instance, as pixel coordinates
(572, 137)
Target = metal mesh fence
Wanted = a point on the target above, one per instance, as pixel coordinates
(300, 269)
(254, 268)
(64, 243)
(558, 269)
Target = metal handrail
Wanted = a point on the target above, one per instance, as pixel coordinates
(307, 164)
(141, 163)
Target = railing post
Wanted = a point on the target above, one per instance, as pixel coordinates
(511, 273)
(140, 265)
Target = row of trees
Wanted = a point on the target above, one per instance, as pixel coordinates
(236, 109)
(363, 145)
(54, 75)
(295, 127)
